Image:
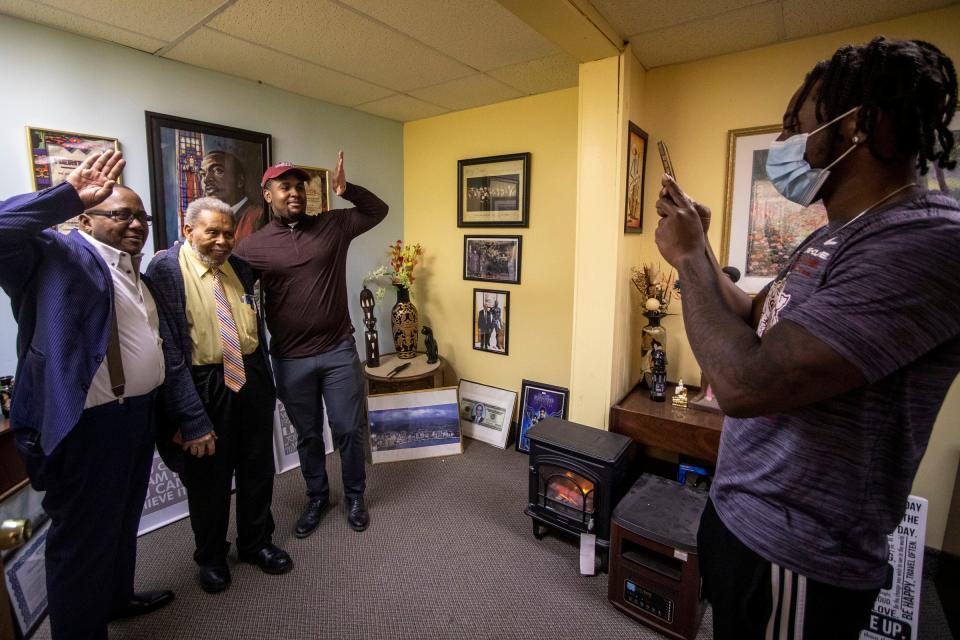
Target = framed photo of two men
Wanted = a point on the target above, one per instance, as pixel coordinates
(191, 159)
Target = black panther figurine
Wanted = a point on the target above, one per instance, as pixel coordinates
(433, 354)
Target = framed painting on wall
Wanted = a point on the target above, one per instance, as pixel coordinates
(191, 159)
(492, 258)
(636, 168)
(947, 180)
(539, 401)
(54, 154)
(494, 191)
(761, 228)
(318, 190)
(491, 321)
(414, 424)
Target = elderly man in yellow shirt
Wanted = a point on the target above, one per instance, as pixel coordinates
(214, 330)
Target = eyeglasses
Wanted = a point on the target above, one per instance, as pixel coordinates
(122, 215)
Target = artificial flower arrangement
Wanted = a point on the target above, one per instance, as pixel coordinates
(402, 260)
(656, 288)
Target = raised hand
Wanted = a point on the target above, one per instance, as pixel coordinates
(95, 178)
(339, 178)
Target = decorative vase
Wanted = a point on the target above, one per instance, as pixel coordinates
(405, 325)
(651, 333)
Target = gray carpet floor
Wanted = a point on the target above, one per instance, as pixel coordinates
(449, 554)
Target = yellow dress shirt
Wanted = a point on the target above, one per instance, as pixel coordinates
(202, 308)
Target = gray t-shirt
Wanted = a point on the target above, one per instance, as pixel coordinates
(817, 489)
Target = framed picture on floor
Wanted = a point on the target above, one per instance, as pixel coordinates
(318, 190)
(492, 258)
(636, 167)
(191, 159)
(486, 412)
(414, 424)
(166, 499)
(26, 582)
(761, 228)
(54, 154)
(285, 439)
(491, 321)
(539, 401)
(494, 191)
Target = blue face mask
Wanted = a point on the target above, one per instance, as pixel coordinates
(791, 175)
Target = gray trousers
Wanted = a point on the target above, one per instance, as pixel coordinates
(304, 385)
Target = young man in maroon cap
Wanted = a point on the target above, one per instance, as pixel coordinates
(302, 262)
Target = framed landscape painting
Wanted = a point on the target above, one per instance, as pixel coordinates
(414, 424)
(494, 191)
(761, 228)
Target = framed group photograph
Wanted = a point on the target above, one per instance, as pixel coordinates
(494, 191)
(54, 154)
(761, 228)
(538, 401)
(486, 412)
(492, 258)
(318, 190)
(491, 321)
(191, 159)
(636, 168)
(414, 424)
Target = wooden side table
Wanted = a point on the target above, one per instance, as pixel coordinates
(419, 375)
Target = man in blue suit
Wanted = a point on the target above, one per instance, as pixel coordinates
(89, 364)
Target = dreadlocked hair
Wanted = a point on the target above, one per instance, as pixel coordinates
(911, 82)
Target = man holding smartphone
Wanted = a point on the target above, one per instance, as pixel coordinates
(832, 376)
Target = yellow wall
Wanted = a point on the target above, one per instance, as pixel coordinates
(693, 106)
(541, 306)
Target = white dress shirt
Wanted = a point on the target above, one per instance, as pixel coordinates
(139, 328)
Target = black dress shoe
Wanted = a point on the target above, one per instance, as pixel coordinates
(310, 518)
(270, 559)
(357, 514)
(141, 603)
(213, 578)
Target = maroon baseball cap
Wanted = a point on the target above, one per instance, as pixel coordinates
(282, 168)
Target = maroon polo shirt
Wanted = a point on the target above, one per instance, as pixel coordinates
(303, 274)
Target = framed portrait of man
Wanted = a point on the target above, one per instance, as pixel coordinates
(491, 321)
(191, 159)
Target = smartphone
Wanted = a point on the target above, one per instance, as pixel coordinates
(665, 159)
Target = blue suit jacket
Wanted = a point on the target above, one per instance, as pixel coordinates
(61, 292)
(182, 400)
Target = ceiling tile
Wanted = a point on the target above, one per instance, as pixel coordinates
(560, 71)
(214, 50)
(401, 107)
(802, 18)
(161, 19)
(80, 25)
(338, 38)
(465, 93)
(630, 17)
(740, 30)
(479, 33)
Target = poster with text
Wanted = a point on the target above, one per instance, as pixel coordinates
(166, 499)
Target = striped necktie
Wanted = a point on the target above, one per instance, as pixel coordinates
(233, 373)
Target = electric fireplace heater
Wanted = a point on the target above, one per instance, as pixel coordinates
(578, 474)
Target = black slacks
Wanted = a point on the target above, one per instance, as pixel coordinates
(243, 422)
(95, 483)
